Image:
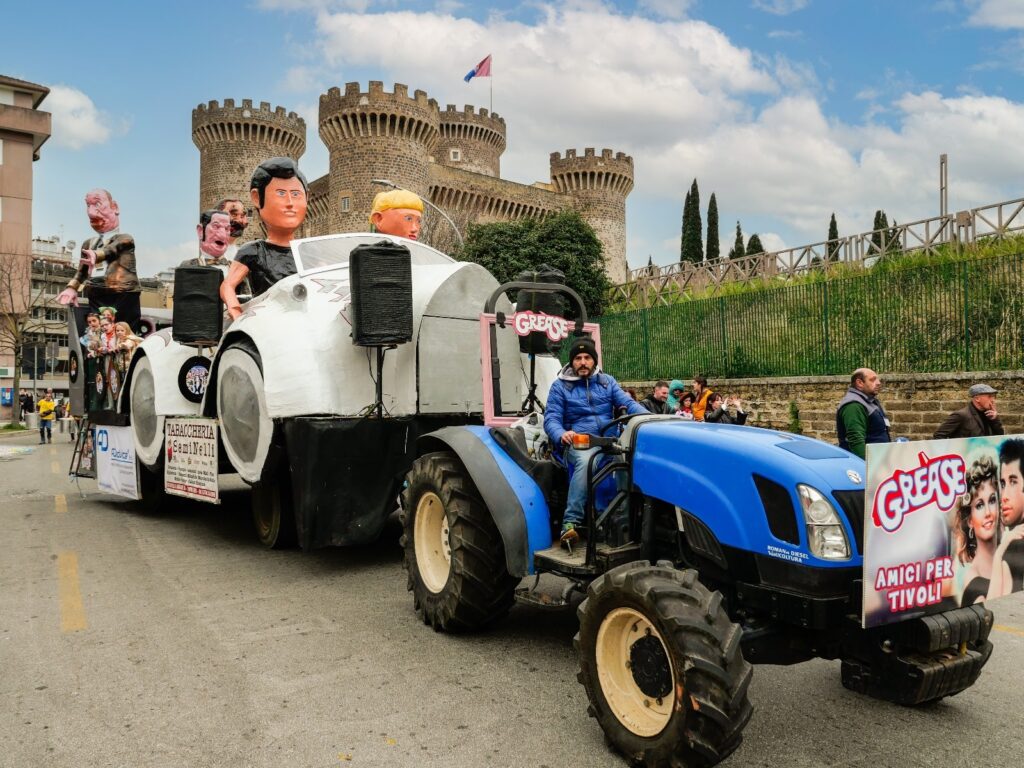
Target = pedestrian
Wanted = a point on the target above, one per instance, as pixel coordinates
(22, 397)
(718, 410)
(978, 418)
(657, 401)
(701, 394)
(30, 406)
(860, 418)
(675, 392)
(685, 408)
(47, 410)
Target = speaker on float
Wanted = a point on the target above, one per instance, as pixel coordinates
(198, 310)
(550, 303)
(380, 278)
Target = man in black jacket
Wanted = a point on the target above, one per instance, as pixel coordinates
(657, 401)
(978, 418)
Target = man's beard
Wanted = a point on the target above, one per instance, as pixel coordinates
(237, 228)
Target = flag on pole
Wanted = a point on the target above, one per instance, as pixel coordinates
(483, 69)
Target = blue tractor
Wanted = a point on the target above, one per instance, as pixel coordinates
(721, 547)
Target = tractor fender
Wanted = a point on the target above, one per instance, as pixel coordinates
(514, 500)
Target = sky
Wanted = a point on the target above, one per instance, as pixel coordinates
(788, 110)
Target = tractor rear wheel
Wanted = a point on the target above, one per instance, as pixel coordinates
(453, 552)
(662, 665)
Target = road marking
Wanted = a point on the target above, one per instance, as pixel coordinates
(72, 614)
(55, 467)
(1011, 630)
(60, 503)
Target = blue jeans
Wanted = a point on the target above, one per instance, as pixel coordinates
(578, 460)
(45, 431)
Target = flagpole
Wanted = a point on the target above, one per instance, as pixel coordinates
(492, 94)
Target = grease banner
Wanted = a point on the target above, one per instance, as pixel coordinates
(943, 525)
(191, 459)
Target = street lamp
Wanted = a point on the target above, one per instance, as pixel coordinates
(392, 185)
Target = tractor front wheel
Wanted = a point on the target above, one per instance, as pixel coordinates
(662, 666)
(453, 552)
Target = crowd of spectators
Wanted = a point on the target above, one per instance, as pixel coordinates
(696, 403)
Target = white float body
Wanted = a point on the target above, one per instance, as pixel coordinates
(302, 331)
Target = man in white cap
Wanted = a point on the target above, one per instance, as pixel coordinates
(978, 418)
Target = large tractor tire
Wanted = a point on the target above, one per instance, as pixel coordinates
(273, 513)
(147, 426)
(662, 666)
(152, 497)
(246, 429)
(453, 552)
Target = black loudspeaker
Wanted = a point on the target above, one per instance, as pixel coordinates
(198, 310)
(380, 278)
(549, 303)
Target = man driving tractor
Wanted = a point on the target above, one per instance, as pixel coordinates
(582, 400)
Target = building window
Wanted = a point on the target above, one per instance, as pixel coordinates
(455, 155)
(1, 151)
(7, 96)
(346, 202)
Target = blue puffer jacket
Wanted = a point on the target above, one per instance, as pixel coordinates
(584, 405)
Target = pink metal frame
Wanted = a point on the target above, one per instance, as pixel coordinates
(486, 321)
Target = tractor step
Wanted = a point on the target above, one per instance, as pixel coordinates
(543, 600)
(558, 559)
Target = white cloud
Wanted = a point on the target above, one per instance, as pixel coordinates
(1002, 14)
(785, 34)
(780, 7)
(76, 120)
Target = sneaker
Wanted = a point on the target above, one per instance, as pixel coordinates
(569, 535)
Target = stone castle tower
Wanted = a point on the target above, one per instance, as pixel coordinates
(451, 157)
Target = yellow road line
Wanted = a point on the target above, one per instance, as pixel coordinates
(1011, 630)
(72, 614)
(60, 503)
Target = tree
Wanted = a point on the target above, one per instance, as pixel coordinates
(713, 248)
(754, 245)
(17, 301)
(833, 238)
(692, 249)
(879, 230)
(737, 251)
(562, 240)
(687, 206)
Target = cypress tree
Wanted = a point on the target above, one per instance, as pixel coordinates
(737, 251)
(876, 234)
(833, 238)
(695, 248)
(754, 245)
(714, 250)
(686, 227)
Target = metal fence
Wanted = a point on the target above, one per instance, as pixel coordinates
(956, 315)
(651, 286)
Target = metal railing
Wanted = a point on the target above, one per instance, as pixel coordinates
(951, 315)
(654, 286)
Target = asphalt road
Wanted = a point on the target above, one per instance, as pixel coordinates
(175, 640)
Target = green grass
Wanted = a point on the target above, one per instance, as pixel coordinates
(13, 428)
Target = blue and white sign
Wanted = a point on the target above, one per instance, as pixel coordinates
(115, 461)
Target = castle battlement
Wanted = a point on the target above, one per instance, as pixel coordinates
(375, 96)
(214, 124)
(610, 171)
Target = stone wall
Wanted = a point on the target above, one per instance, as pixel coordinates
(916, 403)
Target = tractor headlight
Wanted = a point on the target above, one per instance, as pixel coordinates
(825, 533)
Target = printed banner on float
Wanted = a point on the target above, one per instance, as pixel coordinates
(190, 468)
(114, 453)
(943, 525)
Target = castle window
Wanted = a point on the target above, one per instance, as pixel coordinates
(455, 155)
(346, 202)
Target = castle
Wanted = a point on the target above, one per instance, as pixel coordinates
(451, 157)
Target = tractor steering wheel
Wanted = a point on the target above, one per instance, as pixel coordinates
(618, 420)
